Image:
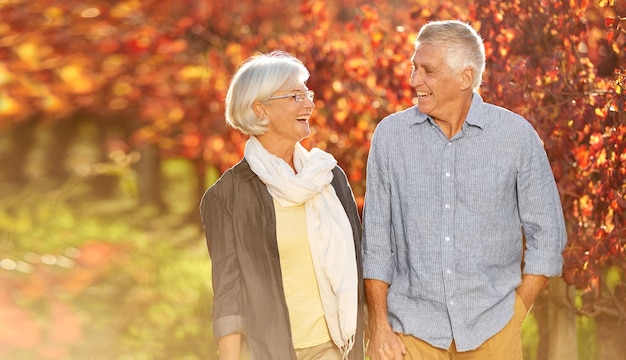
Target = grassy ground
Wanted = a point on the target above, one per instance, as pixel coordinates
(94, 278)
(103, 278)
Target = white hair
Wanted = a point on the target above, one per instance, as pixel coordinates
(464, 46)
(257, 79)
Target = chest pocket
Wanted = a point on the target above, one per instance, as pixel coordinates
(483, 188)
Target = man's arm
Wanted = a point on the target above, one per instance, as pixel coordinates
(383, 343)
(541, 214)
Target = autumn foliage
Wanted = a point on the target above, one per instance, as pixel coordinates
(163, 68)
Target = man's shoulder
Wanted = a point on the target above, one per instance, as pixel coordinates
(402, 118)
(500, 110)
(408, 113)
(505, 119)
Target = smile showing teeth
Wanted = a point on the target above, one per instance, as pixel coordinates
(302, 118)
(423, 94)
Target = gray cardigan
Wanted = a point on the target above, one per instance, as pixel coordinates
(240, 227)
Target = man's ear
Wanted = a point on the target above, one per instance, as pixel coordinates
(467, 78)
(259, 109)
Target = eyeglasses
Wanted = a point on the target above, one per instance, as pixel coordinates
(299, 97)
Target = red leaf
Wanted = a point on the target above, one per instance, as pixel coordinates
(610, 22)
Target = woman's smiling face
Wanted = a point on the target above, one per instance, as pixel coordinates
(288, 118)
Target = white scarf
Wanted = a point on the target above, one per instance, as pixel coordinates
(329, 230)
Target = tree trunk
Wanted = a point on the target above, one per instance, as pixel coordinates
(55, 142)
(556, 324)
(16, 144)
(610, 337)
(149, 170)
(562, 343)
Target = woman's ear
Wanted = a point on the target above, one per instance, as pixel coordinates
(259, 110)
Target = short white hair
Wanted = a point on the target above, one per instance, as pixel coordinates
(464, 46)
(257, 79)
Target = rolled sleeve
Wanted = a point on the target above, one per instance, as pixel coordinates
(227, 325)
(541, 212)
(377, 225)
(543, 263)
(217, 221)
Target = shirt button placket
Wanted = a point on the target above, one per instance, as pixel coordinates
(447, 246)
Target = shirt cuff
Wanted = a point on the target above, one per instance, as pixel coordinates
(543, 263)
(227, 325)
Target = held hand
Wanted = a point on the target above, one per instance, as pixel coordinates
(384, 344)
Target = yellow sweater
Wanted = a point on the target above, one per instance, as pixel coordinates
(308, 326)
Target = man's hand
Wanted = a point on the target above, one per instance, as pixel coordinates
(530, 287)
(384, 344)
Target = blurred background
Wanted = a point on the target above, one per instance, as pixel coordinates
(112, 126)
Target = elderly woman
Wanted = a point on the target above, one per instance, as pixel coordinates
(282, 228)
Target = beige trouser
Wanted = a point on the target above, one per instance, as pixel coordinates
(327, 350)
(506, 344)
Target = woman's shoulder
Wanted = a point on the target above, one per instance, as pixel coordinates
(340, 179)
(226, 183)
(342, 185)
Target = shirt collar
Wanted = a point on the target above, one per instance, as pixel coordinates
(474, 115)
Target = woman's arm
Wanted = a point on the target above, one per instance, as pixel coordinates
(228, 347)
(218, 225)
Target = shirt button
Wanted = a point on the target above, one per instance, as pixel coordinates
(451, 302)
(447, 174)
(447, 238)
(449, 271)
(447, 206)
(449, 144)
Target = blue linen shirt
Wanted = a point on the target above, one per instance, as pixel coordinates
(443, 221)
